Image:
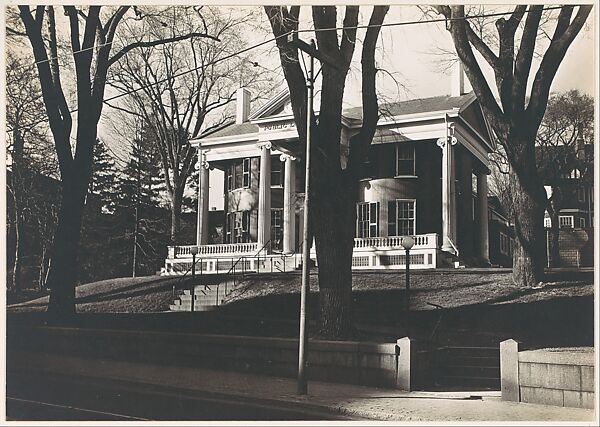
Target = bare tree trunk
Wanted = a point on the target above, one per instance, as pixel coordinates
(63, 272)
(176, 199)
(42, 272)
(62, 275)
(529, 256)
(17, 265)
(334, 237)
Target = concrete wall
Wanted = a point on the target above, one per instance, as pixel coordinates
(576, 247)
(364, 363)
(548, 377)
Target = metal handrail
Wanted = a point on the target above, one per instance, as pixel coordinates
(185, 274)
(231, 270)
(441, 310)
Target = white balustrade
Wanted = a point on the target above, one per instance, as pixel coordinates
(211, 250)
(422, 241)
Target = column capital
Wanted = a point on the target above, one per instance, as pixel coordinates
(266, 145)
(202, 163)
(285, 157)
(441, 142)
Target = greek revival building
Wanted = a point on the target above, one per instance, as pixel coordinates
(425, 176)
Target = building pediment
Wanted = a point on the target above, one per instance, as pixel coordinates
(277, 107)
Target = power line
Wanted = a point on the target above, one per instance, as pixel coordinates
(247, 49)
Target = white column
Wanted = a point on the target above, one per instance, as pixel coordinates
(264, 195)
(202, 225)
(448, 207)
(289, 198)
(482, 191)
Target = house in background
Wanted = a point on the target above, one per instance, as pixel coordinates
(502, 234)
(425, 176)
(575, 181)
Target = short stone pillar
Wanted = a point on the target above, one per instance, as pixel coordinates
(509, 370)
(403, 373)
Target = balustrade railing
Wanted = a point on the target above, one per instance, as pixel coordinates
(219, 249)
(422, 241)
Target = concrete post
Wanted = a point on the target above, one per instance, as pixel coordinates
(203, 189)
(482, 191)
(403, 377)
(264, 195)
(509, 370)
(289, 214)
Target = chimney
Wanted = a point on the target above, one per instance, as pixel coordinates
(458, 79)
(242, 106)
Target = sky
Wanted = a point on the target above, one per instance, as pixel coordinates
(412, 54)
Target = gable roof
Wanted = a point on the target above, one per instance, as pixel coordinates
(232, 129)
(413, 106)
(416, 106)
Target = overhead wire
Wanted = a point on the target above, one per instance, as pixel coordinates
(272, 39)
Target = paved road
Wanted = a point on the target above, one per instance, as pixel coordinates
(36, 397)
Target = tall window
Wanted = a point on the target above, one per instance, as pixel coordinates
(582, 222)
(238, 174)
(367, 219)
(581, 194)
(277, 229)
(505, 244)
(401, 217)
(405, 159)
(238, 227)
(277, 171)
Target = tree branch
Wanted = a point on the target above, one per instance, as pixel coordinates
(563, 37)
(139, 44)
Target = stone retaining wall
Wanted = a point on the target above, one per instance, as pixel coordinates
(363, 363)
(559, 377)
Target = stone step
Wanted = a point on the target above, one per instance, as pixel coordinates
(197, 307)
(455, 351)
(467, 382)
(460, 360)
(471, 371)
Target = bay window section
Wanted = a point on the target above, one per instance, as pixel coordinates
(238, 227)
(401, 218)
(367, 219)
(238, 174)
(277, 173)
(277, 229)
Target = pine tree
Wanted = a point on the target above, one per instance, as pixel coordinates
(104, 177)
(138, 210)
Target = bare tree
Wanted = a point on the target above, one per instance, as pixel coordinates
(334, 187)
(27, 145)
(516, 118)
(185, 87)
(91, 32)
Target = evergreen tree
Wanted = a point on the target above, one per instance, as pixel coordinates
(140, 217)
(103, 180)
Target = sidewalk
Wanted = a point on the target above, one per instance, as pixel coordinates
(351, 400)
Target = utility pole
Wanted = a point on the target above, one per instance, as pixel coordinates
(137, 203)
(311, 50)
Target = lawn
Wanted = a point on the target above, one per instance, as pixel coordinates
(479, 306)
